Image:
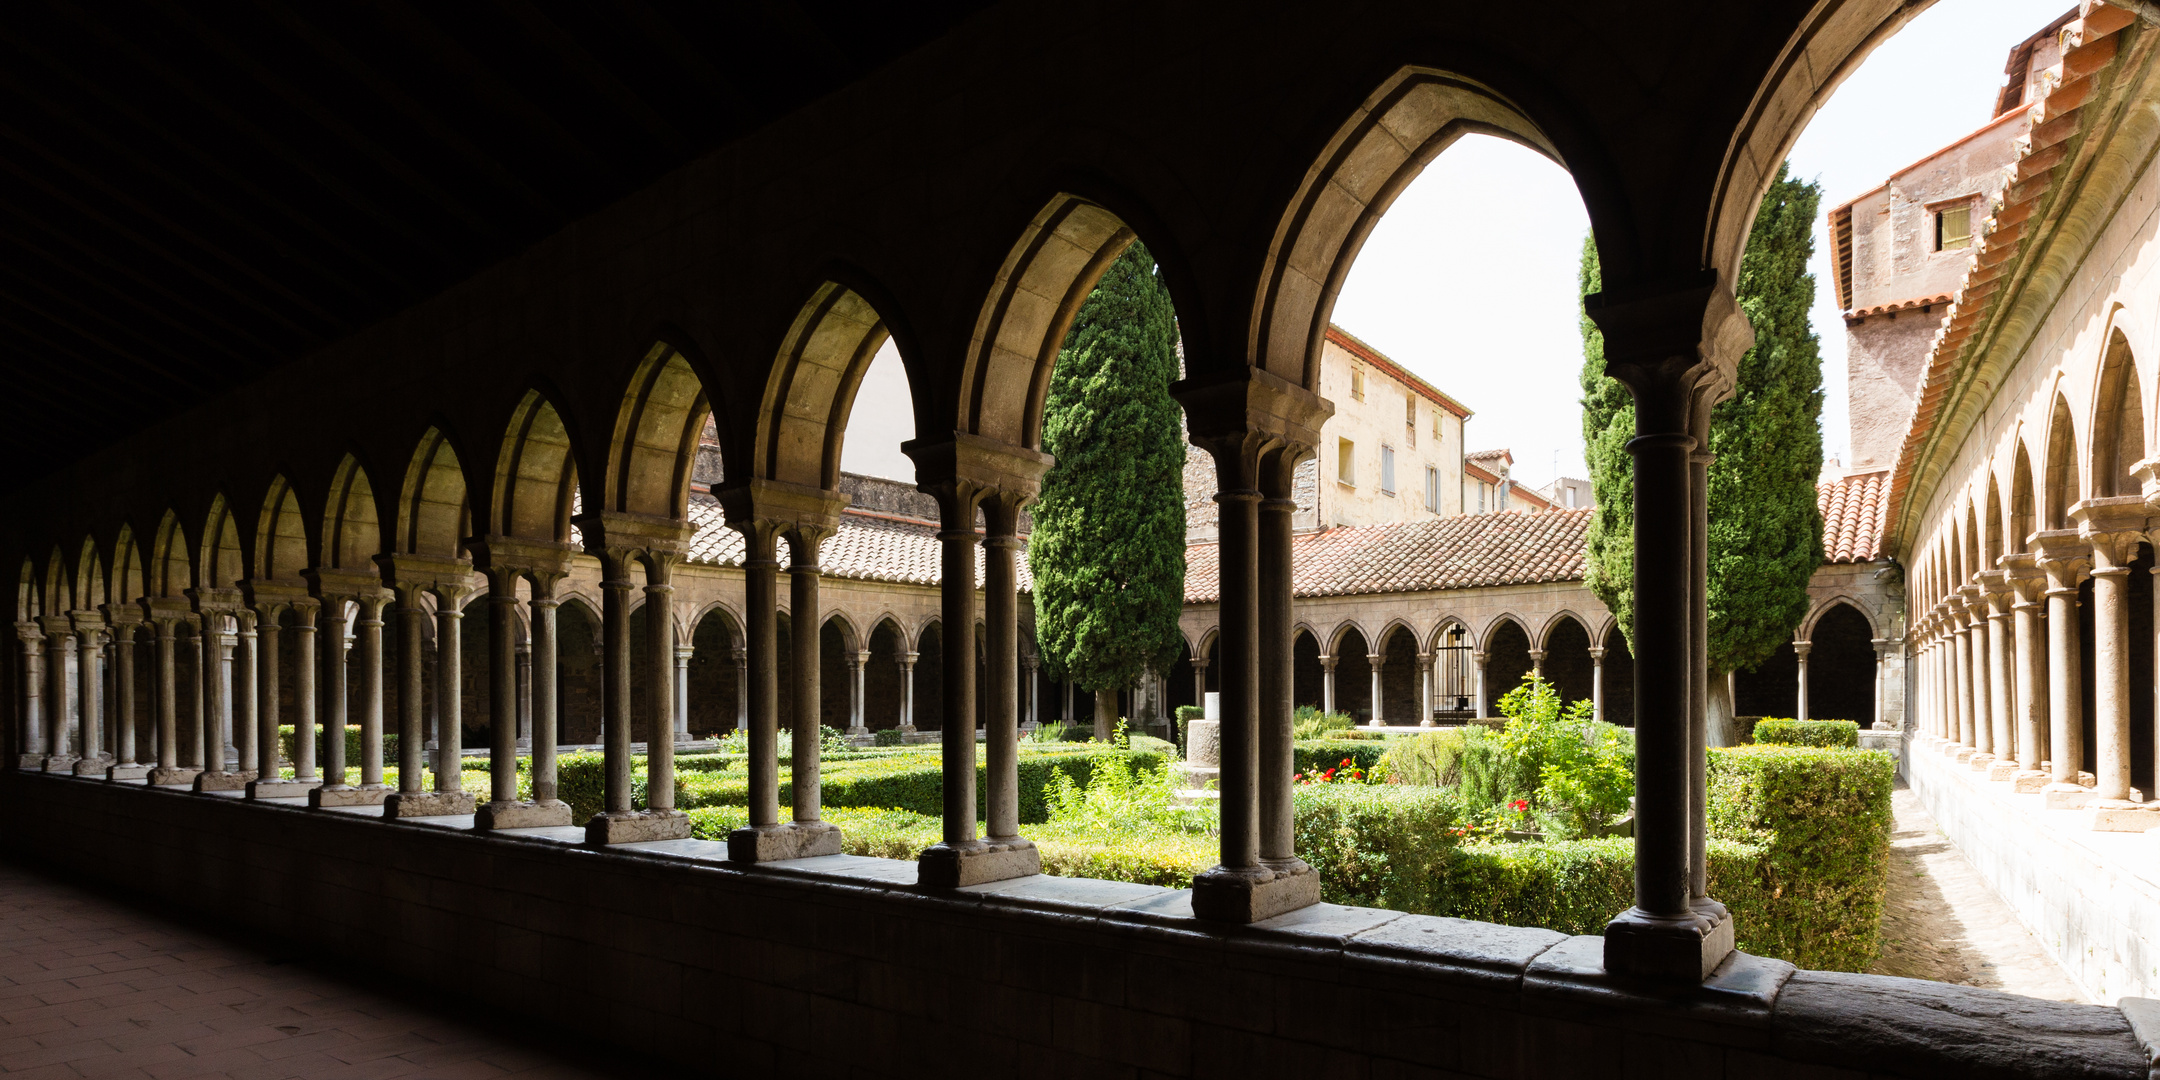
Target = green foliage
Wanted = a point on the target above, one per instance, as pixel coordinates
(913, 781)
(1765, 533)
(1608, 417)
(1771, 731)
(1577, 886)
(1120, 798)
(1311, 723)
(1823, 817)
(352, 745)
(1317, 755)
(581, 781)
(1491, 776)
(1108, 549)
(1186, 714)
(1585, 769)
(887, 737)
(1376, 845)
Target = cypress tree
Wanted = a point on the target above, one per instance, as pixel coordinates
(1765, 532)
(1108, 550)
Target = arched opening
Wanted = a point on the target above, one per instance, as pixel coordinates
(1454, 674)
(433, 515)
(170, 573)
(836, 648)
(1619, 675)
(654, 448)
(1307, 683)
(280, 537)
(223, 562)
(1353, 675)
(930, 684)
(1773, 688)
(352, 530)
(1567, 659)
(535, 491)
(716, 685)
(2021, 501)
(884, 692)
(1992, 542)
(1402, 691)
(2118, 427)
(1841, 666)
(2062, 467)
(578, 712)
(1507, 660)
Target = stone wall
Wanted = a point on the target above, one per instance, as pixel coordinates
(850, 968)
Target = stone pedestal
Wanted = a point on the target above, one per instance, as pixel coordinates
(1980, 762)
(1202, 767)
(224, 781)
(1250, 894)
(93, 766)
(348, 796)
(637, 826)
(128, 772)
(2065, 797)
(786, 840)
(1685, 948)
(281, 789)
(58, 763)
(2002, 770)
(178, 777)
(2029, 783)
(30, 762)
(2113, 815)
(405, 804)
(521, 815)
(950, 866)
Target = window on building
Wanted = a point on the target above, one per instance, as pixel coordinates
(1432, 488)
(1409, 419)
(1953, 228)
(1481, 490)
(1345, 462)
(1387, 470)
(1436, 425)
(1357, 384)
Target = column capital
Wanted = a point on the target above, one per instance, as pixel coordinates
(121, 614)
(30, 634)
(1327, 663)
(87, 621)
(1800, 648)
(2022, 573)
(2147, 474)
(1255, 424)
(1995, 587)
(1536, 655)
(2065, 555)
(1665, 340)
(1597, 652)
(56, 625)
(524, 556)
(2114, 527)
(683, 653)
(272, 594)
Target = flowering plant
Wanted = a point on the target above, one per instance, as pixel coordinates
(1346, 772)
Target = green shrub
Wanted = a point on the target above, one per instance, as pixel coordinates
(1376, 845)
(352, 744)
(1771, 731)
(1491, 776)
(1320, 755)
(1823, 818)
(1186, 714)
(1577, 886)
(1432, 759)
(911, 781)
(581, 781)
(1311, 723)
(888, 737)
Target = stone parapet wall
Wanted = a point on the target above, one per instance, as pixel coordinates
(2091, 898)
(855, 970)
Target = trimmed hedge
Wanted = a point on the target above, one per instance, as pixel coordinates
(1770, 731)
(1823, 818)
(1376, 845)
(352, 744)
(1320, 755)
(581, 781)
(1577, 886)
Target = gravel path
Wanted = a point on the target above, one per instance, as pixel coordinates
(1943, 922)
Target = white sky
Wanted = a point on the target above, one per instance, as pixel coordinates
(1470, 279)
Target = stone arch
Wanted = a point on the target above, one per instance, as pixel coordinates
(2022, 519)
(1841, 663)
(1044, 279)
(2118, 421)
(171, 574)
(90, 592)
(1553, 624)
(434, 515)
(280, 536)
(849, 635)
(812, 387)
(127, 571)
(59, 583)
(26, 593)
(352, 525)
(1991, 539)
(1567, 657)
(1507, 658)
(1807, 626)
(1618, 674)
(1395, 132)
(223, 562)
(1453, 646)
(1970, 527)
(535, 491)
(1441, 633)
(883, 692)
(1338, 636)
(654, 447)
(1493, 625)
(1402, 689)
(2062, 488)
(1307, 681)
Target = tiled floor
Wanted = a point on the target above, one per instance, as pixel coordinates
(92, 987)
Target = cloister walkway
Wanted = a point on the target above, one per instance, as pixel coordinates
(93, 987)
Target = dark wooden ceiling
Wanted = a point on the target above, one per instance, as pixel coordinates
(193, 194)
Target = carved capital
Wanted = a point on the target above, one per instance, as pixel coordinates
(2114, 526)
(621, 529)
(2064, 555)
(2023, 576)
(1256, 425)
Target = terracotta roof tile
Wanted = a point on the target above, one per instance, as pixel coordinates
(1852, 516)
(1465, 552)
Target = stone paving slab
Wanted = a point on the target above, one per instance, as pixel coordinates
(559, 834)
(90, 987)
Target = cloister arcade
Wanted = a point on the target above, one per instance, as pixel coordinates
(528, 439)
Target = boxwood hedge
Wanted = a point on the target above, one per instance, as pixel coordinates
(1822, 817)
(1770, 731)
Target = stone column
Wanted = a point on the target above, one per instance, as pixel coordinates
(1983, 706)
(304, 697)
(1373, 665)
(1199, 681)
(1537, 662)
(1477, 661)
(955, 859)
(1029, 666)
(1671, 349)
(169, 771)
(1800, 703)
(89, 642)
(59, 750)
(124, 657)
(1001, 633)
(765, 838)
(1995, 589)
(331, 694)
(683, 652)
(907, 693)
(240, 712)
(615, 676)
(502, 604)
(450, 797)
(1425, 689)
(661, 820)
(268, 687)
(1278, 670)
(216, 696)
(524, 696)
(857, 661)
(32, 748)
(367, 645)
(1960, 662)
(412, 691)
(1597, 682)
(2066, 559)
(547, 804)
(1327, 685)
(742, 688)
(2113, 549)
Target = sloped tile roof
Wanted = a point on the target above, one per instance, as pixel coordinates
(865, 547)
(1852, 516)
(1465, 552)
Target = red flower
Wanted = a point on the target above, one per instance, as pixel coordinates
(1519, 805)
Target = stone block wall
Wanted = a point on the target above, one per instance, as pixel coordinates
(773, 970)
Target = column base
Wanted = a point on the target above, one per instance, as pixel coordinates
(405, 804)
(857, 729)
(2065, 797)
(93, 766)
(2028, 782)
(128, 771)
(175, 777)
(281, 789)
(784, 841)
(220, 781)
(1250, 894)
(1428, 723)
(976, 862)
(521, 815)
(58, 763)
(1980, 762)
(2116, 815)
(31, 762)
(2003, 770)
(1963, 754)
(346, 795)
(637, 826)
(1669, 948)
